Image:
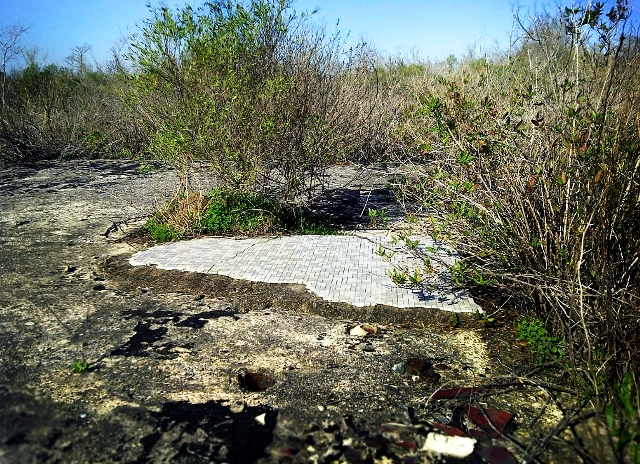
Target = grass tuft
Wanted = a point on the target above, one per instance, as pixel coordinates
(223, 212)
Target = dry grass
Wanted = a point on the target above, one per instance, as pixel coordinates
(532, 163)
(182, 212)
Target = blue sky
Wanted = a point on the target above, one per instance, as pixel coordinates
(432, 28)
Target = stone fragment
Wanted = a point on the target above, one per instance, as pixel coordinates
(358, 331)
(458, 447)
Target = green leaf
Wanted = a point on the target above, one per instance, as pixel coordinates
(609, 414)
(634, 452)
(624, 440)
(624, 395)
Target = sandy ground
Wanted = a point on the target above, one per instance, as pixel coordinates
(176, 355)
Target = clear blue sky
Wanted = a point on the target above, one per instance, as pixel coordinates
(433, 28)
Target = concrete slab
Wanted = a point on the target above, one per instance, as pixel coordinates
(352, 268)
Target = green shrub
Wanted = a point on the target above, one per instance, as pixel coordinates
(229, 213)
(543, 346)
(531, 160)
(253, 88)
(224, 212)
(161, 232)
(241, 212)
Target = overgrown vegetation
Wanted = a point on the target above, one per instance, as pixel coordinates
(527, 161)
(254, 89)
(533, 161)
(224, 212)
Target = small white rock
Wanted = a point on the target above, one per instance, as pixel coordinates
(459, 447)
(399, 368)
(358, 331)
(261, 418)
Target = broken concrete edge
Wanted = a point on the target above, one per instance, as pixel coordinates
(245, 295)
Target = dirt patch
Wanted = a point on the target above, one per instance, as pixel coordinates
(168, 351)
(250, 296)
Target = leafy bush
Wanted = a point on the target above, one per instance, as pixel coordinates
(161, 232)
(532, 160)
(254, 89)
(240, 212)
(543, 346)
(224, 212)
(233, 212)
